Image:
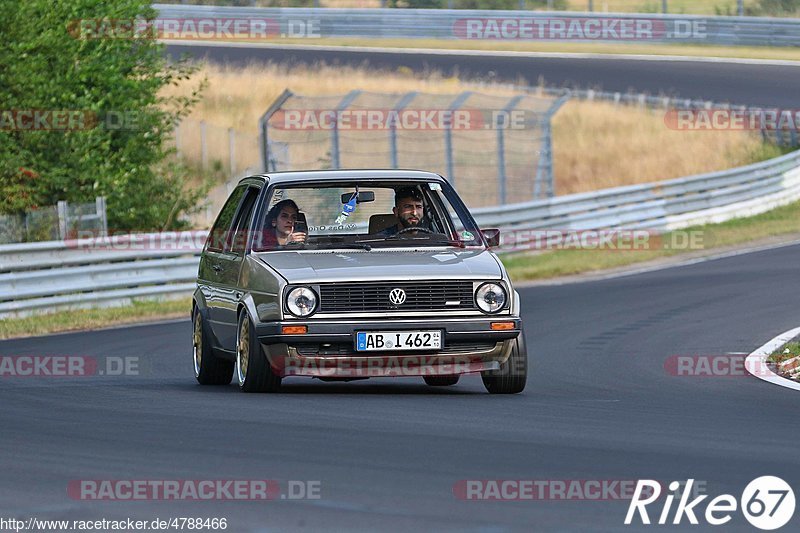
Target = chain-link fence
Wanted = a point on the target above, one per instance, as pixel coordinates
(494, 149)
(52, 223)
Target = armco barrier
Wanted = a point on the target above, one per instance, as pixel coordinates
(452, 23)
(48, 276)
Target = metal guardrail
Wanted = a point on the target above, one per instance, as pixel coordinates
(49, 276)
(454, 24)
(98, 271)
(660, 206)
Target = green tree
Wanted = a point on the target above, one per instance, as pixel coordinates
(75, 56)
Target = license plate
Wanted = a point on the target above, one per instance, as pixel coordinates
(367, 341)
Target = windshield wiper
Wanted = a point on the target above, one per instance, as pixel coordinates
(434, 240)
(358, 245)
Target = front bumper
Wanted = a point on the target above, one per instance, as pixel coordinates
(328, 348)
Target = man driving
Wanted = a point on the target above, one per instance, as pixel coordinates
(409, 210)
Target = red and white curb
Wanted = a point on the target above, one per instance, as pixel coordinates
(758, 360)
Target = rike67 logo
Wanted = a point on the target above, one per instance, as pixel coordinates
(767, 503)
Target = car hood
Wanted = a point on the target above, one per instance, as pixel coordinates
(361, 265)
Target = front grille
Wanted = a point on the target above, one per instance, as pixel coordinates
(420, 296)
(346, 349)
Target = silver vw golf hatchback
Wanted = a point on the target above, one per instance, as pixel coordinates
(351, 274)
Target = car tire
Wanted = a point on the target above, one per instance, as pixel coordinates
(208, 368)
(513, 374)
(441, 381)
(253, 371)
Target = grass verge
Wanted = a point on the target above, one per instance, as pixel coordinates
(87, 319)
(784, 354)
(782, 221)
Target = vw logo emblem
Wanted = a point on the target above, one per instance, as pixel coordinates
(397, 296)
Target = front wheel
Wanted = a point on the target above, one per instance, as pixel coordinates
(208, 368)
(513, 374)
(252, 368)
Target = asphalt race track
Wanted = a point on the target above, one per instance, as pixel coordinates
(602, 404)
(741, 84)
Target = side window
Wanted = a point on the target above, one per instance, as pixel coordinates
(219, 233)
(238, 242)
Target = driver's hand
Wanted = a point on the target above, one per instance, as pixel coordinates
(297, 237)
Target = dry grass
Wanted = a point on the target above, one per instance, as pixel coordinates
(599, 145)
(596, 145)
(688, 7)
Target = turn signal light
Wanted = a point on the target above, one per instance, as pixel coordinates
(294, 330)
(502, 326)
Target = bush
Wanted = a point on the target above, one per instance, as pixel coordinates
(45, 65)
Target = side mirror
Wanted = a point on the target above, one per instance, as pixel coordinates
(492, 237)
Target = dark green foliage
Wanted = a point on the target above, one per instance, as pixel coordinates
(45, 64)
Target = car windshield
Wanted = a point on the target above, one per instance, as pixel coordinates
(364, 214)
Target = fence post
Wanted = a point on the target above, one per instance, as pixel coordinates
(232, 150)
(100, 209)
(203, 147)
(664, 7)
(263, 126)
(740, 9)
(63, 222)
(591, 5)
(401, 104)
(544, 170)
(344, 104)
(448, 133)
(501, 145)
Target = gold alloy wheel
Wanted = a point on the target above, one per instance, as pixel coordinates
(197, 342)
(243, 350)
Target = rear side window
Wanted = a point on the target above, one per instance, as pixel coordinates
(238, 241)
(220, 232)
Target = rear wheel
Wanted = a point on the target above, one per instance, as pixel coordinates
(441, 381)
(513, 374)
(208, 368)
(252, 368)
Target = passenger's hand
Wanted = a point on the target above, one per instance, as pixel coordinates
(297, 237)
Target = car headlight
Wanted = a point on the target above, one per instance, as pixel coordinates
(301, 301)
(490, 297)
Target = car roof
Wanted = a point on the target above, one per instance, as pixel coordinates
(336, 175)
